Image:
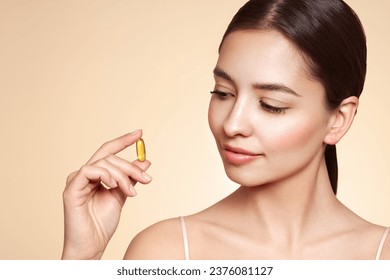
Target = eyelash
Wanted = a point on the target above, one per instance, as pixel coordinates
(220, 94)
(271, 109)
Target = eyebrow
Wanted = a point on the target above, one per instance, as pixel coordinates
(264, 86)
(275, 87)
(222, 74)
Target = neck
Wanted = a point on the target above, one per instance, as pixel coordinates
(291, 209)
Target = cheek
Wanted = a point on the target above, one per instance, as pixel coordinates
(296, 134)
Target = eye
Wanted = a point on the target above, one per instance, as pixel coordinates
(273, 109)
(220, 94)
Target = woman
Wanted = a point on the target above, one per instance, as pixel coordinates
(287, 87)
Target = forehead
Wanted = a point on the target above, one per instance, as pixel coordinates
(264, 52)
(265, 56)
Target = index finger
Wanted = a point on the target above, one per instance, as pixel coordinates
(116, 145)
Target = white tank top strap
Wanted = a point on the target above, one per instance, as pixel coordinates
(185, 238)
(384, 237)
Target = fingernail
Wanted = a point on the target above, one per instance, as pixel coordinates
(104, 185)
(147, 176)
(132, 191)
(135, 131)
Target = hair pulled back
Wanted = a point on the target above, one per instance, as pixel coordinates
(330, 37)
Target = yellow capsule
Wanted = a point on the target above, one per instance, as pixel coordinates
(141, 152)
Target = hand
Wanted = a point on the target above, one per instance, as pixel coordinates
(91, 210)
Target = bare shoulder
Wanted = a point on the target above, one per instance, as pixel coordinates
(385, 255)
(379, 241)
(162, 240)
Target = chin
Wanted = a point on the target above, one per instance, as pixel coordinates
(245, 178)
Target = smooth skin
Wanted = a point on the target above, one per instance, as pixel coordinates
(271, 125)
(285, 207)
(91, 210)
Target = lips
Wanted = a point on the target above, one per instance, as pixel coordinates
(238, 156)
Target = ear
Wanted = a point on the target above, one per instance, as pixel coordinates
(341, 120)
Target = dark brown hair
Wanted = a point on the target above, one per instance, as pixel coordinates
(329, 35)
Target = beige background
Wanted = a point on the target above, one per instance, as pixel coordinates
(74, 74)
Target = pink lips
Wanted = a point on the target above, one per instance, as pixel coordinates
(238, 156)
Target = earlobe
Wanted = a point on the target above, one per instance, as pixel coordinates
(341, 120)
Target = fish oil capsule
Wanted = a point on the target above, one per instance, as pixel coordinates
(141, 152)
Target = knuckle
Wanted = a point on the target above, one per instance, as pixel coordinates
(110, 157)
(106, 146)
(103, 163)
(71, 177)
(105, 173)
(83, 169)
(65, 194)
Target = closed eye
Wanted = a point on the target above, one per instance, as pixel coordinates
(220, 94)
(273, 109)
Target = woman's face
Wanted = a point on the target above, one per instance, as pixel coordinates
(268, 116)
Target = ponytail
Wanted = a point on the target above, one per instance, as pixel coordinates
(331, 165)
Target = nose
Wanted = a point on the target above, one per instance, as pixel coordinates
(239, 120)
